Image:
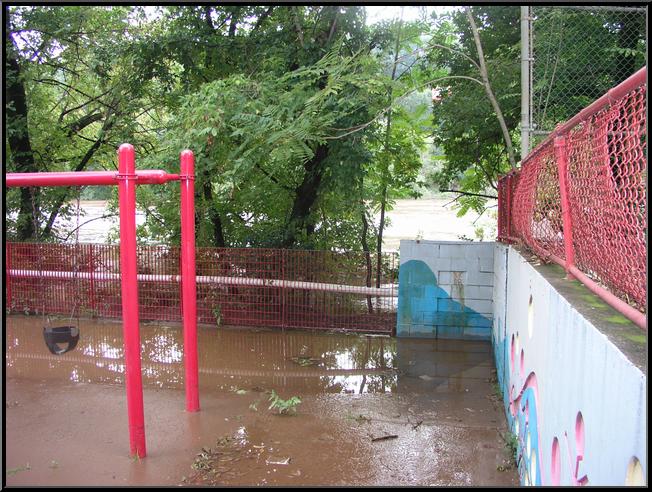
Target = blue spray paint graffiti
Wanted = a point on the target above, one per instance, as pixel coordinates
(427, 310)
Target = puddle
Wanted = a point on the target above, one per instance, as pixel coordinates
(373, 410)
(230, 359)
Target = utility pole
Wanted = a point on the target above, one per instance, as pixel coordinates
(525, 81)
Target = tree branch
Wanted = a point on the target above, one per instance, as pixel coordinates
(489, 91)
(467, 193)
(84, 223)
(262, 18)
(354, 129)
(273, 178)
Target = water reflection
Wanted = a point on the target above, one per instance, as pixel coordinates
(228, 358)
(253, 360)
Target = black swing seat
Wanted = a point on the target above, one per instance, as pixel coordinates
(61, 334)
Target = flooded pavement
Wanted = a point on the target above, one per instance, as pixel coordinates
(374, 410)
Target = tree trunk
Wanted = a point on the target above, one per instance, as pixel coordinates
(305, 197)
(214, 216)
(65, 192)
(385, 171)
(365, 248)
(19, 142)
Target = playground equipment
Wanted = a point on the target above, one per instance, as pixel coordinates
(126, 178)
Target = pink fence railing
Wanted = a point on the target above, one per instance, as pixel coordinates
(579, 198)
(238, 287)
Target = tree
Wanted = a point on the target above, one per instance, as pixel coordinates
(70, 101)
(477, 107)
(287, 146)
(286, 108)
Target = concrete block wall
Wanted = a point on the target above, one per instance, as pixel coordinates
(445, 289)
(574, 386)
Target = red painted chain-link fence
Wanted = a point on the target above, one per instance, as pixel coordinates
(238, 287)
(579, 197)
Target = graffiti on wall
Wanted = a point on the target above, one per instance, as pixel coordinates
(522, 410)
(426, 309)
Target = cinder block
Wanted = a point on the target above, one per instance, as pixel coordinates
(480, 292)
(449, 332)
(429, 250)
(447, 291)
(449, 305)
(406, 252)
(464, 264)
(480, 306)
(452, 251)
(489, 247)
(463, 319)
(487, 265)
(451, 277)
(422, 331)
(480, 278)
(439, 265)
(477, 250)
(477, 333)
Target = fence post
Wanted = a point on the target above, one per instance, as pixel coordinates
(130, 320)
(561, 156)
(189, 280)
(509, 184)
(7, 273)
(92, 286)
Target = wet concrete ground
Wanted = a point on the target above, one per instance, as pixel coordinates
(374, 410)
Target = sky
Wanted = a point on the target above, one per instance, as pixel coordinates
(379, 13)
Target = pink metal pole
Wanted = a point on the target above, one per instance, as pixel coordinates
(72, 178)
(189, 285)
(619, 305)
(509, 207)
(561, 156)
(7, 276)
(128, 270)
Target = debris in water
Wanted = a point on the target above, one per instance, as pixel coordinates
(13, 471)
(416, 426)
(384, 438)
(272, 460)
(304, 360)
(425, 377)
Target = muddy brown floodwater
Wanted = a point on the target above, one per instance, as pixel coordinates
(374, 410)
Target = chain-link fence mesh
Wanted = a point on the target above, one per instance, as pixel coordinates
(602, 153)
(577, 54)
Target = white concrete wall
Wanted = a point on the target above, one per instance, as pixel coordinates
(446, 289)
(572, 397)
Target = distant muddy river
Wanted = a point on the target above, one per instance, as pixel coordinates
(428, 219)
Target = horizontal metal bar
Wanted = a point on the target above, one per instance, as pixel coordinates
(85, 178)
(253, 282)
(622, 307)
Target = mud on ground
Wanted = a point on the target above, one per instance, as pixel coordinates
(373, 410)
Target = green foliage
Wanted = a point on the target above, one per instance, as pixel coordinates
(286, 109)
(253, 138)
(284, 407)
(81, 102)
(466, 127)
